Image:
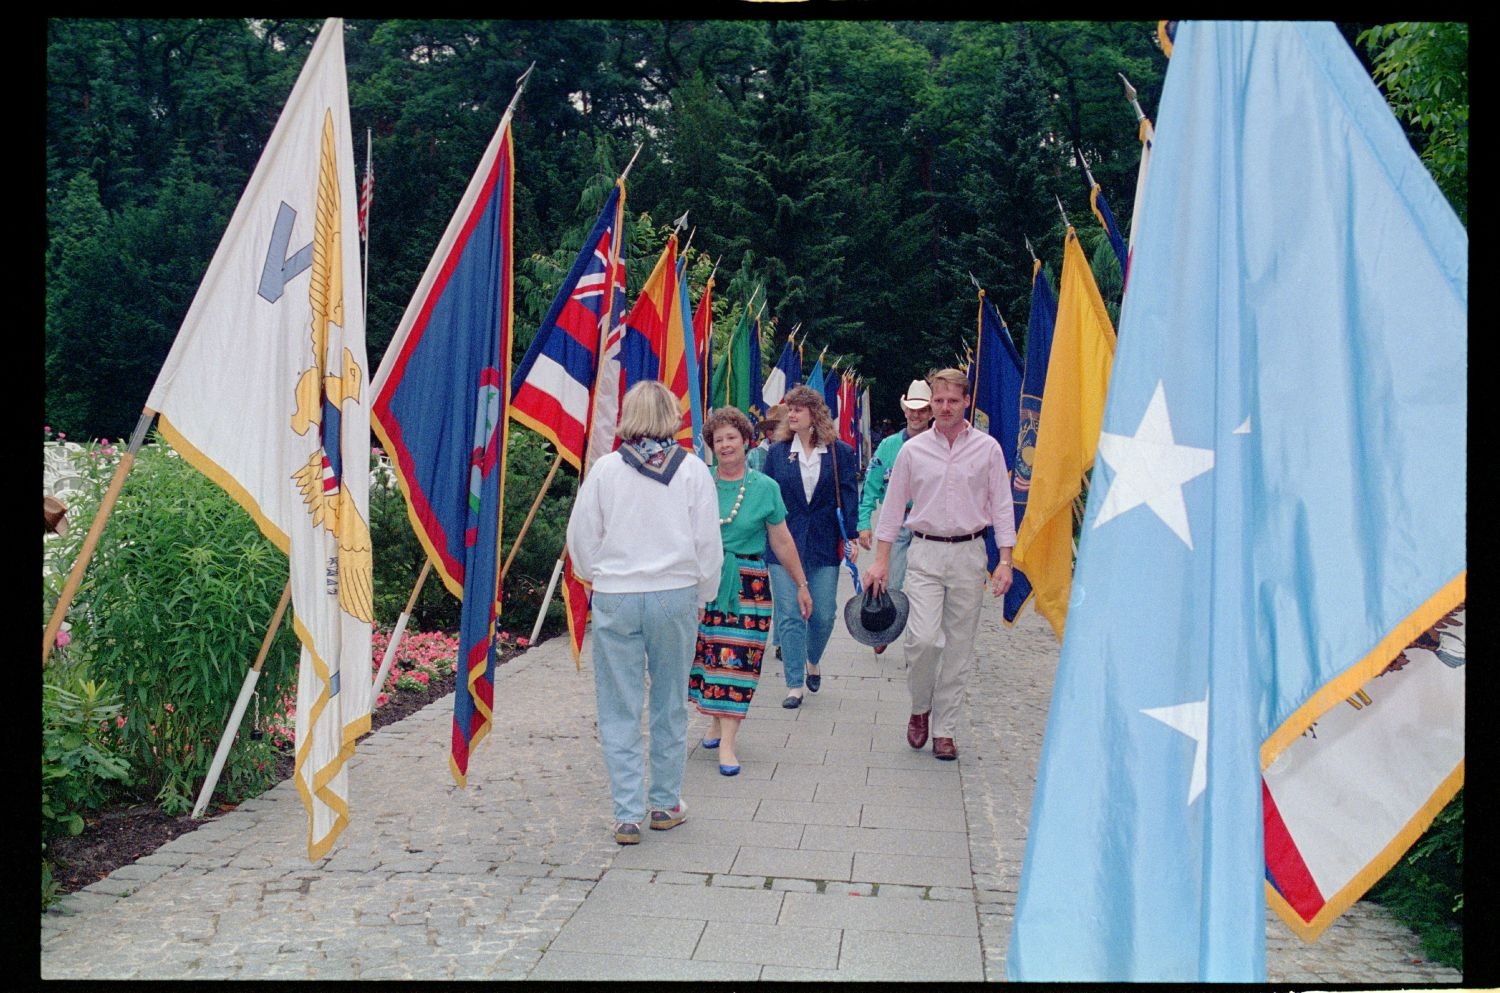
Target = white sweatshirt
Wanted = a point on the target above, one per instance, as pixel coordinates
(630, 534)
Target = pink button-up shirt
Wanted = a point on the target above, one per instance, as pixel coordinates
(954, 489)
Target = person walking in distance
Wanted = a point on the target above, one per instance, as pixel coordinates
(916, 404)
(645, 532)
(958, 484)
(816, 473)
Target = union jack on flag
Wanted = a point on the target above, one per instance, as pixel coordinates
(553, 387)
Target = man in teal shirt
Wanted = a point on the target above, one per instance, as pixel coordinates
(916, 404)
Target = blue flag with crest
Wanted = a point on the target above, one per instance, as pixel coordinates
(1039, 327)
(1277, 510)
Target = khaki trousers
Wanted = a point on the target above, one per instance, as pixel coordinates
(945, 583)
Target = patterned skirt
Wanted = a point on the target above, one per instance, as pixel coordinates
(726, 666)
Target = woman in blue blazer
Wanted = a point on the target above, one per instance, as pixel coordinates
(816, 473)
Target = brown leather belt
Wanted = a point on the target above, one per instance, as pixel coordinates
(945, 537)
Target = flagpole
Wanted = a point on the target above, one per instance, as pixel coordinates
(526, 525)
(389, 658)
(248, 688)
(541, 615)
(91, 540)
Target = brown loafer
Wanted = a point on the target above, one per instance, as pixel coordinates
(916, 730)
(945, 749)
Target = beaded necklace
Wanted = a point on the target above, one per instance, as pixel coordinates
(738, 499)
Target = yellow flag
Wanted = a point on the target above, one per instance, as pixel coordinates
(1083, 349)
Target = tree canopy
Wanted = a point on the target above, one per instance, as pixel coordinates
(856, 171)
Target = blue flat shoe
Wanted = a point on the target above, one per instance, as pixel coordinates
(710, 742)
(729, 770)
(814, 682)
(792, 702)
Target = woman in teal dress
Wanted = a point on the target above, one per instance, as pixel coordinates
(732, 635)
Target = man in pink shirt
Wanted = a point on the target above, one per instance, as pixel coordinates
(958, 483)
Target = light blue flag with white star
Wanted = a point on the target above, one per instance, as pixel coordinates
(1278, 507)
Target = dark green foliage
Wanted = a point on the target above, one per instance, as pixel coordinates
(1425, 890)
(1423, 66)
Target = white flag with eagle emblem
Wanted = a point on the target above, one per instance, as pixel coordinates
(266, 392)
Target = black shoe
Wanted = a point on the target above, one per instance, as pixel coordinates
(814, 682)
(778, 653)
(792, 702)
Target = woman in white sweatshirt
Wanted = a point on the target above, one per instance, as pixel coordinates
(645, 532)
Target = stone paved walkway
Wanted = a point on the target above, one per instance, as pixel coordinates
(837, 854)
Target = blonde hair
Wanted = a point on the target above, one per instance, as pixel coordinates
(824, 433)
(727, 417)
(952, 377)
(649, 411)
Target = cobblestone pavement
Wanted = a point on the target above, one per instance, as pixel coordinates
(838, 853)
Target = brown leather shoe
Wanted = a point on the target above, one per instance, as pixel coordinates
(916, 730)
(945, 749)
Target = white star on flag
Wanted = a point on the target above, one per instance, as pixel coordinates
(1150, 468)
(1192, 720)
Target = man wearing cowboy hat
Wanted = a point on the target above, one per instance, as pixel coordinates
(959, 485)
(756, 457)
(916, 404)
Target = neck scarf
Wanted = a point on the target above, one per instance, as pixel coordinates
(653, 458)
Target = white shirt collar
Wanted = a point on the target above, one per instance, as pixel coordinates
(797, 448)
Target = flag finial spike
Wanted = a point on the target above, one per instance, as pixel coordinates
(1060, 210)
(520, 86)
(716, 267)
(680, 223)
(1130, 94)
(1083, 160)
(1029, 250)
(632, 161)
(975, 281)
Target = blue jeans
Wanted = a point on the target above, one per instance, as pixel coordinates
(802, 642)
(897, 575)
(639, 635)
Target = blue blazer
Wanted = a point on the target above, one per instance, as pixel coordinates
(815, 524)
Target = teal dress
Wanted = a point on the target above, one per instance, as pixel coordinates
(732, 637)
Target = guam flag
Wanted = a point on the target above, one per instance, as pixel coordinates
(1038, 348)
(553, 389)
(440, 409)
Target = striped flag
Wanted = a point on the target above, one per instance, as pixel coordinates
(366, 194)
(553, 387)
(441, 410)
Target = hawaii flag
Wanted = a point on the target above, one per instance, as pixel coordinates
(441, 400)
(1279, 509)
(265, 391)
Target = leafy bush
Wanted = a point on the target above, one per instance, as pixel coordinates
(81, 761)
(172, 611)
(1425, 890)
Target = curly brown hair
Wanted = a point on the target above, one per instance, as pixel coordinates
(727, 417)
(824, 433)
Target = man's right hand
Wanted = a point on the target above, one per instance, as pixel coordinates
(865, 539)
(875, 576)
